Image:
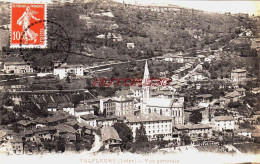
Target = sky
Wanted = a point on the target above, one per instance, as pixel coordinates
(249, 7)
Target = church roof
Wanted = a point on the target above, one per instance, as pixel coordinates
(164, 103)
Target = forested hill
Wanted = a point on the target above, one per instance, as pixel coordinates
(102, 29)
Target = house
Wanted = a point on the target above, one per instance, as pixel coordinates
(110, 138)
(194, 130)
(223, 123)
(137, 91)
(83, 110)
(6, 135)
(89, 119)
(124, 106)
(130, 45)
(43, 133)
(106, 121)
(241, 91)
(69, 108)
(52, 120)
(155, 125)
(17, 68)
(52, 107)
(223, 101)
(245, 132)
(233, 96)
(197, 76)
(255, 90)
(67, 132)
(162, 94)
(108, 106)
(238, 75)
(26, 124)
(66, 70)
(204, 98)
(15, 145)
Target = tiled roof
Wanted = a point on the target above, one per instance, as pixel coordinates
(239, 70)
(194, 108)
(147, 118)
(240, 89)
(83, 108)
(54, 118)
(233, 94)
(108, 132)
(52, 105)
(88, 116)
(63, 128)
(204, 95)
(193, 127)
(160, 102)
(107, 118)
(43, 129)
(223, 118)
(25, 122)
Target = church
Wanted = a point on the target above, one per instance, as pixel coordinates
(162, 105)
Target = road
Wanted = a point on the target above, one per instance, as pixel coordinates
(97, 144)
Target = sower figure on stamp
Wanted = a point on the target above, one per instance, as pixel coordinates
(24, 21)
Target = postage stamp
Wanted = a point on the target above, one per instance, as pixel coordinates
(22, 18)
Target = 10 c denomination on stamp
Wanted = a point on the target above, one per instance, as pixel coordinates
(23, 33)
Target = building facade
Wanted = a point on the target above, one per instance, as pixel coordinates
(65, 70)
(17, 68)
(154, 124)
(238, 75)
(223, 123)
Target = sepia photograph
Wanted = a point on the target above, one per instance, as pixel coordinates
(129, 81)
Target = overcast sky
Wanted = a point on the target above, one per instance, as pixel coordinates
(249, 7)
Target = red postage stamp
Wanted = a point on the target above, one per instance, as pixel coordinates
(28, 26)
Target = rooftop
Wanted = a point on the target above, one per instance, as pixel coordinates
(88, 116)
(108, 132)
(193, 127)
(223, 118)
(239, 71)
(232, 94)
(63, 128)
(82, 108)
(147, 118)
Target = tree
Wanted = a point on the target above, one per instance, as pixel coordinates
(61, 145)
(185, 138)
(141, 135)
(68, 79)
(125, 133)
(9, 102)
(195, 117)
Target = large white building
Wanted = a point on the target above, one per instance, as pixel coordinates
(154, 124)
(65, 70)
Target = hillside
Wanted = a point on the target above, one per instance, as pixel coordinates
(101, 30)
